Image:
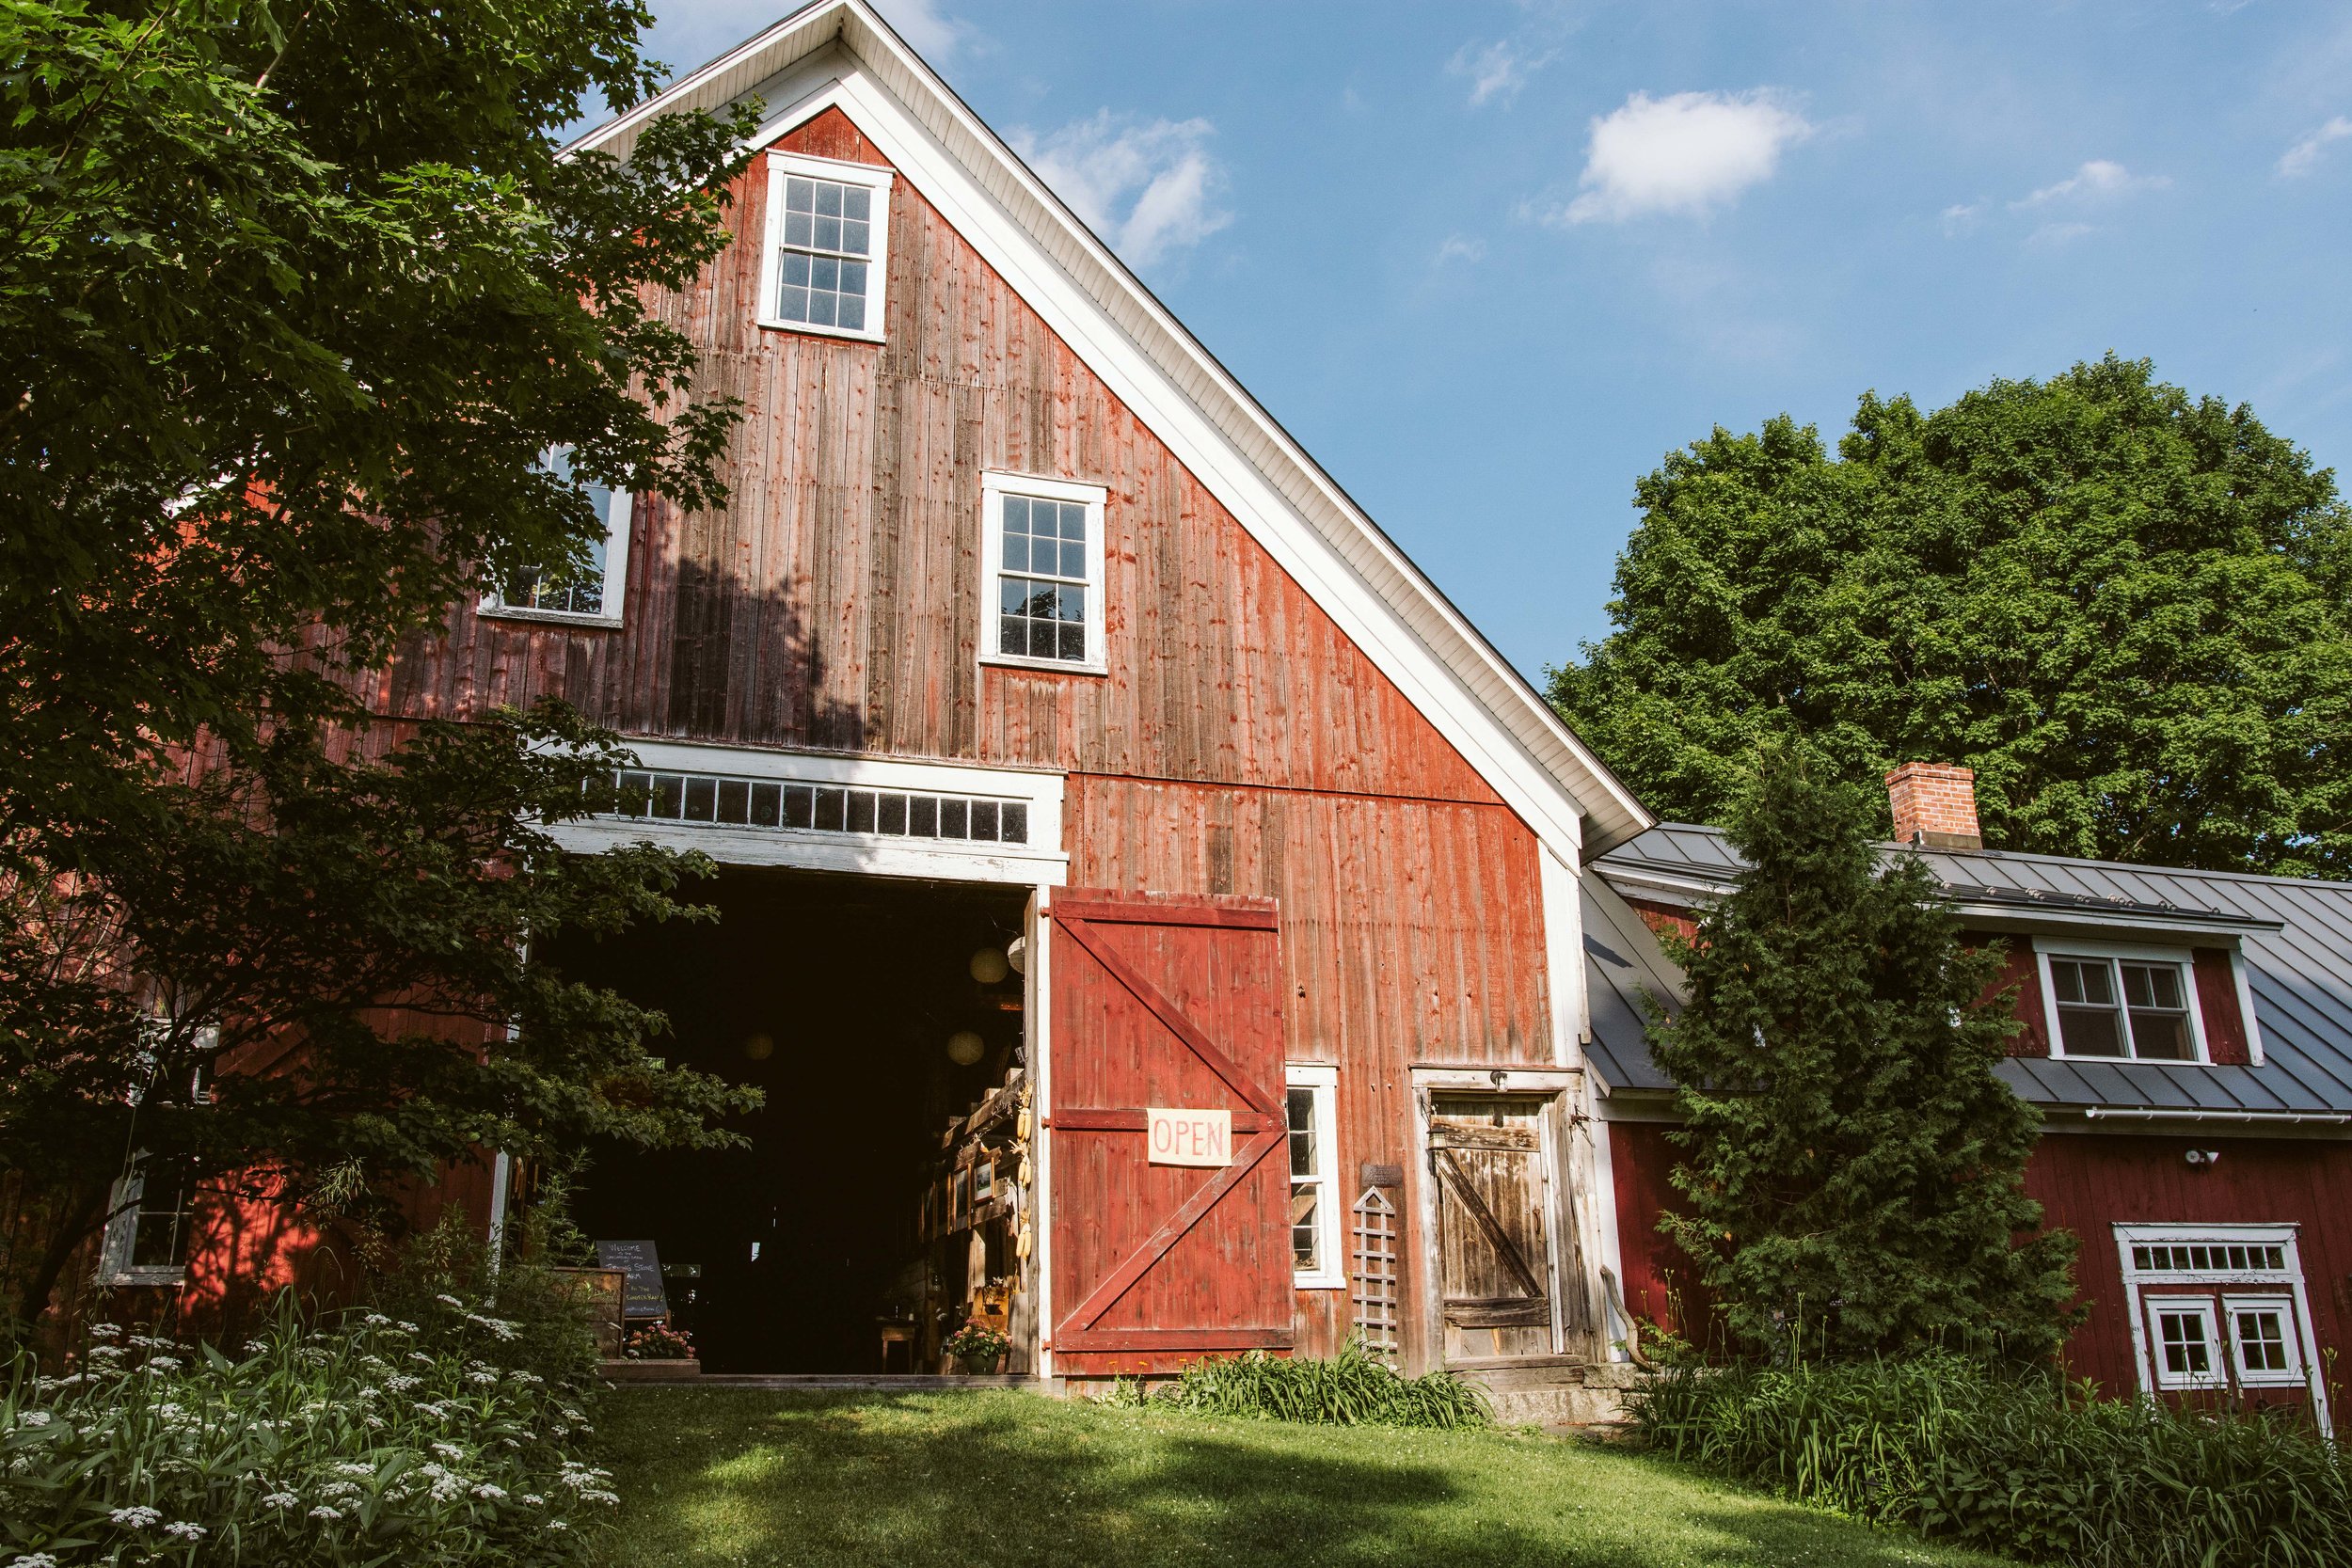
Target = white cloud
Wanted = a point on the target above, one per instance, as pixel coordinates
(2054, 236)
(1461, 247)
(2097, 179)
(1497, 71)
(1960, 218)
(1683, 153)
(921, 22)
(1147, 188)
(2299, 158)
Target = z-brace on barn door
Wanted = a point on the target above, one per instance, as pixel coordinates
(1177, 1005)
(1494, 1246)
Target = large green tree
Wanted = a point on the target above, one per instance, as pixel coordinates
(2130, 611)
(293, 297)
(1852, 1167)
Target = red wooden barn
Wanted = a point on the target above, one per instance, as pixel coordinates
(2187, 1036)
(1161, 924)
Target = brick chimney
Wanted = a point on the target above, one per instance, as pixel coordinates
(1935, 806)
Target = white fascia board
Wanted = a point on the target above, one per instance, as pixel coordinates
(1280, 496)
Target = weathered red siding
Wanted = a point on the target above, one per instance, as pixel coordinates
(1659, 1281)
(2022, 970)
(2217, 1007)
(2088, 1182)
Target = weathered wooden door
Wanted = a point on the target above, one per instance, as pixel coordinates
(1486, 1158)
(1176, 1004)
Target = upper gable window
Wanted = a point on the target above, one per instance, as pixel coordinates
(2123, 1005)
(589, 594)
(828, 244)
(1042, 561)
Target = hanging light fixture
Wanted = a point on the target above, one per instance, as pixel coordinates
(1017, 955)
(989, 965)
(964, 1046)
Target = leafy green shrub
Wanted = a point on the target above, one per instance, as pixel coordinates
(551, 1332)
(2019, 1464)
(1351, 1388)
(376, 1440)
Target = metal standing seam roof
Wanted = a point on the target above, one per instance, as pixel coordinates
(2295, 933)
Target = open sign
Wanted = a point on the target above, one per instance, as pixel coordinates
(1189, 1137)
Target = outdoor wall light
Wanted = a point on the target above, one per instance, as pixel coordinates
(2201, 1158)
(964, 1046)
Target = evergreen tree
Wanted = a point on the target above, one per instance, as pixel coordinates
(1853, 1165)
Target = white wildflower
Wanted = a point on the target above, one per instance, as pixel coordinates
(33, 1418)
(32, 1559)
(106, 1353)
(419, 1355)
(137, 1517)
(280, 1500)
(375, 1319)
(481, 1377)
(373, 1421)
(355, 1468)
(534, 1500)
(405, 1328)
(520, 1376)
(106, 1331)
(450, 1451)
(557, 1524)
(400, 1382)
(599, 1496)
(186, 1531)
(450, 1301)
(148, 1341)
(323, 1511)
(488, 1493)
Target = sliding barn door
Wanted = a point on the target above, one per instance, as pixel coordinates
(1170, 1242)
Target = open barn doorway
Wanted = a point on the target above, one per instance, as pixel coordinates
(876, 1015)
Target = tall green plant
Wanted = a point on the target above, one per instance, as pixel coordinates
(1851, 1168)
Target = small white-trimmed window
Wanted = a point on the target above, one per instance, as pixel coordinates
(2122, 1003)
(2187, 1353)
(1312, 1108)
(828, 246)
(149, 1224)
(2218, 1306)
(1042, 563)
(2263, 1340)
(589, 594)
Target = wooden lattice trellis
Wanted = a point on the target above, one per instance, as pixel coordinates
(1375, 1276)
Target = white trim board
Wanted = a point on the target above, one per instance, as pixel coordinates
(1287, 504)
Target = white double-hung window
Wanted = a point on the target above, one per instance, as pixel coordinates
(828, 246)
(1311, 1104)
(588, 593)
(1042, 563)
(2121, 1004)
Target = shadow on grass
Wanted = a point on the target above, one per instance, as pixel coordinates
(981, 1480)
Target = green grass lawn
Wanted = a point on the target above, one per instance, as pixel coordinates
(972, 1480)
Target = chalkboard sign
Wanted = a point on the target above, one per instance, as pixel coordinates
(643, 1265)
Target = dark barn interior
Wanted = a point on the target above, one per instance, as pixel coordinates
(837, 996)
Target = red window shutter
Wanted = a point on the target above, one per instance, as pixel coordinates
(2216, 1006)
(1165, 1002)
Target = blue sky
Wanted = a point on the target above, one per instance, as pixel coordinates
(1488, 262)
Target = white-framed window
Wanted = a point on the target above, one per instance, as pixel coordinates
(2107, 1001)
(590, 595)
(149, 1224)
(2219, 1305)
(2187, 1350)
(828, 246)
(1317, 1241)
(1041, 563)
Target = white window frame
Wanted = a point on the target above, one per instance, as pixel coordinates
(122, 1236)
(616, 532)
(2047, 948)
(2216, 1374)
(994, 488)
(1323, 1082)
(2283, 1284)
(2291, 1339)
(780, 167)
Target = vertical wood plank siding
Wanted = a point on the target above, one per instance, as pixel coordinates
(2088, 1183)
(1239, 743)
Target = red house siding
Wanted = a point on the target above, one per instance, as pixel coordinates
(2217, 1007)
(1660, 1283)
(2024, 971)
(2088, 1182)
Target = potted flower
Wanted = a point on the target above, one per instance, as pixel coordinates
(978, 1346)
(656, 1352)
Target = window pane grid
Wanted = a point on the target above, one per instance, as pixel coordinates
(2210, 1257)
(1307, 1178)
(828, 246)
(1042, 592)
(820, 807)
(2119, 1009)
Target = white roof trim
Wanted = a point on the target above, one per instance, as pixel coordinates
(1353, 570)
